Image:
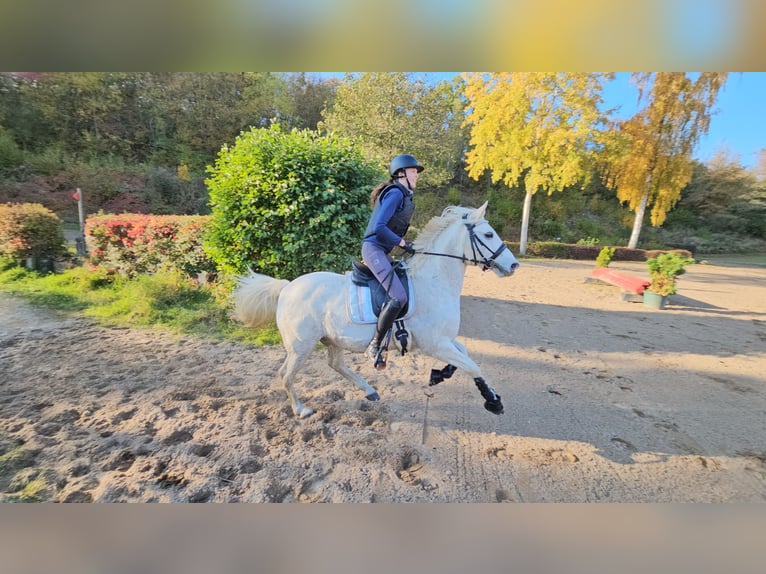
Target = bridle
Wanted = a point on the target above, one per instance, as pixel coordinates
(476, 245)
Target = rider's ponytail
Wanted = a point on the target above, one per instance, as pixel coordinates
(375, 193)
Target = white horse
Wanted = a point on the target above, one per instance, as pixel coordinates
(312, 307)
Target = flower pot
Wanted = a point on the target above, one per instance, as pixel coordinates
(654, 301)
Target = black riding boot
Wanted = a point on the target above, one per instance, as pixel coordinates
(388, 314)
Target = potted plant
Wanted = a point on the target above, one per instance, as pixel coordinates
(663, 271)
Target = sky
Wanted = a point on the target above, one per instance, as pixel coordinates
(737, 127)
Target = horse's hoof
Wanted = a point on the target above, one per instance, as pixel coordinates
(495, 407)
(305, 413)
(373, 397)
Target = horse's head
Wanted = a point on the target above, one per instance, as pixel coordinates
(481, 245)
(485, 247)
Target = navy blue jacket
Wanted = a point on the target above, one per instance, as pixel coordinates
(390, 217)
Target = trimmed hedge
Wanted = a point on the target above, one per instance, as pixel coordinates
(133, 243)
(30, 230)
(287, 203)
(556, 250)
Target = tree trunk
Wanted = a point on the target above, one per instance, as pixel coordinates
(525, 222)
(638, 221)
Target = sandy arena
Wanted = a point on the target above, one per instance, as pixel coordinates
(605, 401)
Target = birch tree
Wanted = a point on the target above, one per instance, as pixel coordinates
(535, 127)
(656, 164)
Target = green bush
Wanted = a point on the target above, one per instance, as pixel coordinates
(604, 257)
(454, 196)
(49, 161)
(286, 204)
(30, 230)
(11, 157)
(663, 270)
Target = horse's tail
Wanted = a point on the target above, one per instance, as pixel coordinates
(255, 299)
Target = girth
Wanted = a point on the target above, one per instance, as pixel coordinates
(363, 276)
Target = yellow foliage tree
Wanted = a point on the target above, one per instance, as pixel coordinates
(539, 127)
(653, 162)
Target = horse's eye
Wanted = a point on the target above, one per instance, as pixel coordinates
(489, 235)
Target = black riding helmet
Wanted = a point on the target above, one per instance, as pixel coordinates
(403, 161)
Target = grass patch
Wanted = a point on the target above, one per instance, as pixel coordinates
(165, 300)
(18, 481)
(736, 260)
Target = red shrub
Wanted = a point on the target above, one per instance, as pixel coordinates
(132, 243)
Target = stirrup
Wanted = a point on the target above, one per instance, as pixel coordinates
(380, 359)
(378, 354)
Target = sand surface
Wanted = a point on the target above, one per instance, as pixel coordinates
(605, 400)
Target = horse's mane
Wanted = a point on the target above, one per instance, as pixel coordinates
(433, 229)
(439, 223)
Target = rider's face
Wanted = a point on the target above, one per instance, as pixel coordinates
(412, 175)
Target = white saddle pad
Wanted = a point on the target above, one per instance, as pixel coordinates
(359, 302)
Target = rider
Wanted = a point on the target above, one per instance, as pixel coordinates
(392, 207)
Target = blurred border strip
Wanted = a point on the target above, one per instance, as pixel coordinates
(444, 538)
(411, 35)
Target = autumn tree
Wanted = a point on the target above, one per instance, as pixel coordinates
(539, 128)
(390, 113)
(655, 162)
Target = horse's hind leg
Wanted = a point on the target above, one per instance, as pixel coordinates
(335, 359)
(293, 362)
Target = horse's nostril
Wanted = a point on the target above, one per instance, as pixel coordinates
(514, 267)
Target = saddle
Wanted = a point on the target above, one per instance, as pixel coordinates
(366, 295)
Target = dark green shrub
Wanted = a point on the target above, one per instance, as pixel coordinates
(454, 196)
(555, 250)
(552, 229)
(551, 249)
(285, 204)
(30, 230)
(11, 157)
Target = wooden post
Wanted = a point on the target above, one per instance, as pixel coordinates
(82, 250)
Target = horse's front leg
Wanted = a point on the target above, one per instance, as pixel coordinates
(439, 375)
(456, 356)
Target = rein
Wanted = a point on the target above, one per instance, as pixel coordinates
(486, 262)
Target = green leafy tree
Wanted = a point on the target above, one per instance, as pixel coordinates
(307, 98)
(77, 109)
(287, 203)
(724, 197)
(654, 163)
(539, 128)
(717, 185)
(196, 113)
(389, 114)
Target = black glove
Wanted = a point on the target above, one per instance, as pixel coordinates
(409, 248)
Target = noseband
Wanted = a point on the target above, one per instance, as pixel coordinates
(487, 262)
(476, 245)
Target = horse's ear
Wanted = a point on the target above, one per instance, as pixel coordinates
(479, 213)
